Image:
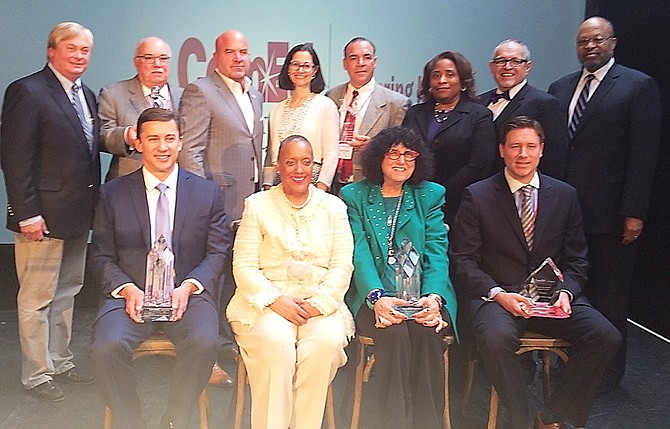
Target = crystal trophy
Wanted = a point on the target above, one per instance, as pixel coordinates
(408, 278)
(543, 287)
(159, 283)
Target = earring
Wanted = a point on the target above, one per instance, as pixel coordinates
(463, 89)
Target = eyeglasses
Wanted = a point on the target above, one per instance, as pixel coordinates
(514, 62)
(150, 59)
(295, 66)
(597, 40)
(409, 155)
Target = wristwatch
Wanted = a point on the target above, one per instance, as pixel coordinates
(373, 297)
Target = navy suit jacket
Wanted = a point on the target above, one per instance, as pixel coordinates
(48, 167)
(488, 248)
(201, 235)
(612, 157)
(464, 147)
(545, 109)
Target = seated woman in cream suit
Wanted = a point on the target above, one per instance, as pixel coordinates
(292, 265)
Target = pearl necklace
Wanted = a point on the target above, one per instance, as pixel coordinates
(299, 206)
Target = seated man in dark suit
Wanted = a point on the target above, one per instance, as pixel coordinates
(124, 229)
(492, 253)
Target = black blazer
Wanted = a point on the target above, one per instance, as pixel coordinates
(201, 235)
(48, 167)
(464, 147)
(613, 154)
(488, 248)
(544, 108)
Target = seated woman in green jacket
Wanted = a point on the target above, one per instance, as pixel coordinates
(395, 204)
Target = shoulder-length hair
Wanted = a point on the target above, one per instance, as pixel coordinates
(374, 153)
(465, 73)
(317, 85)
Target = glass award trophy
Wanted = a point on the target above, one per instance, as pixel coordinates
(159, 283)
(543, 286)
(408, 278)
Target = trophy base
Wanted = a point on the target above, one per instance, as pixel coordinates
(156, 314)
(408, 310)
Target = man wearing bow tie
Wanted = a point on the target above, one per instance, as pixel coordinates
(514, 96)
(222, 139)
(122, 102)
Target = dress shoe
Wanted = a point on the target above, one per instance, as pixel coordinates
(219, 377)
(72, 376)
(539, 424)
(49, 391)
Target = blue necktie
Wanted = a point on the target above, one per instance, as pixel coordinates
(85, 124)
(580, 106)
(163, 216)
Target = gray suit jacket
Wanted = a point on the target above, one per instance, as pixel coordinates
(217, 142)
(119, 106)
(386, 109)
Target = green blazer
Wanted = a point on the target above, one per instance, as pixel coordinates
(421, 220)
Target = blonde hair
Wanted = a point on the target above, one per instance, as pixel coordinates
(66, 31)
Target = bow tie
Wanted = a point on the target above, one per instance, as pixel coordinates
(495, 97)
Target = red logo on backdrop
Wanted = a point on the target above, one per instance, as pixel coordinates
(265, 75)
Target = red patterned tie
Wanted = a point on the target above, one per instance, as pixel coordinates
(345, 168)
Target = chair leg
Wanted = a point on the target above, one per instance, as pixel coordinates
(358, 387)
(108, 418)
(546, 374)
(493, 410)
(469, 379)
(203, 409)
(446, 417)
(330, 408)
(240, 393)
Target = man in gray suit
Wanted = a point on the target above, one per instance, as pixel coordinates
(222, 141)
(374, 107)
(120, 104)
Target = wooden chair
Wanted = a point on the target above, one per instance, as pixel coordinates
(364, 368)
(530, 341)
(159, 345)
(240, 396)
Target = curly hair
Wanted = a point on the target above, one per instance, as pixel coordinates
(317, 85)
(374, 153)
(465, 73)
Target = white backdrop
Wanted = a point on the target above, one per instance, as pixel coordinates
(406, 34)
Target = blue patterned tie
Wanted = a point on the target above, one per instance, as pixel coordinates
(85, 124)
(580, 106)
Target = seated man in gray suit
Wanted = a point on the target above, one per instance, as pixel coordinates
(127, 219)
(222, 142)
(120, 104)
(373, 107)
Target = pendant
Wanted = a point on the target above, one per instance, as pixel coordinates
(391, 260)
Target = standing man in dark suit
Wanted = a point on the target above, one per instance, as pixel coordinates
(222, 142)
(375, 107)
(492, 253)
(120, 104)
(51, 163)
(509, 65)
(614, 130)
(123, 233)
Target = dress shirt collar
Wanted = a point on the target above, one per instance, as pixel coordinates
(515, 185)
(150, 181)
(164, 91)
(515, 89)
(65, 82)
(600, 73)
(235, 86)
(363, 92)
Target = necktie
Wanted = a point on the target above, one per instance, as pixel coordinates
(156, 96)
(527, 215)
(163, 216)
(580, 106)
(85, 124)
(345, 168)
(495, 97)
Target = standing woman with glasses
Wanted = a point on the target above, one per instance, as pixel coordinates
(395, 203)
(307, 113)
(459, 131)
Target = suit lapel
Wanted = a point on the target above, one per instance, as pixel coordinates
(184, 196)
(136, 97)
(507, 205)
(512, 106)
(545, 209)
(377, 217)
(374, 111)
(61, 99)
(138, 198)
(601, 92)
(229, 98)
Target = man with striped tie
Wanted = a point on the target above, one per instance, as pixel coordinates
(507, 225)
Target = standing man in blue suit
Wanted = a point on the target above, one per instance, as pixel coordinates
(510, 65)
(123, 233)
(51, 163)
(120, 104)
(614, 129)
